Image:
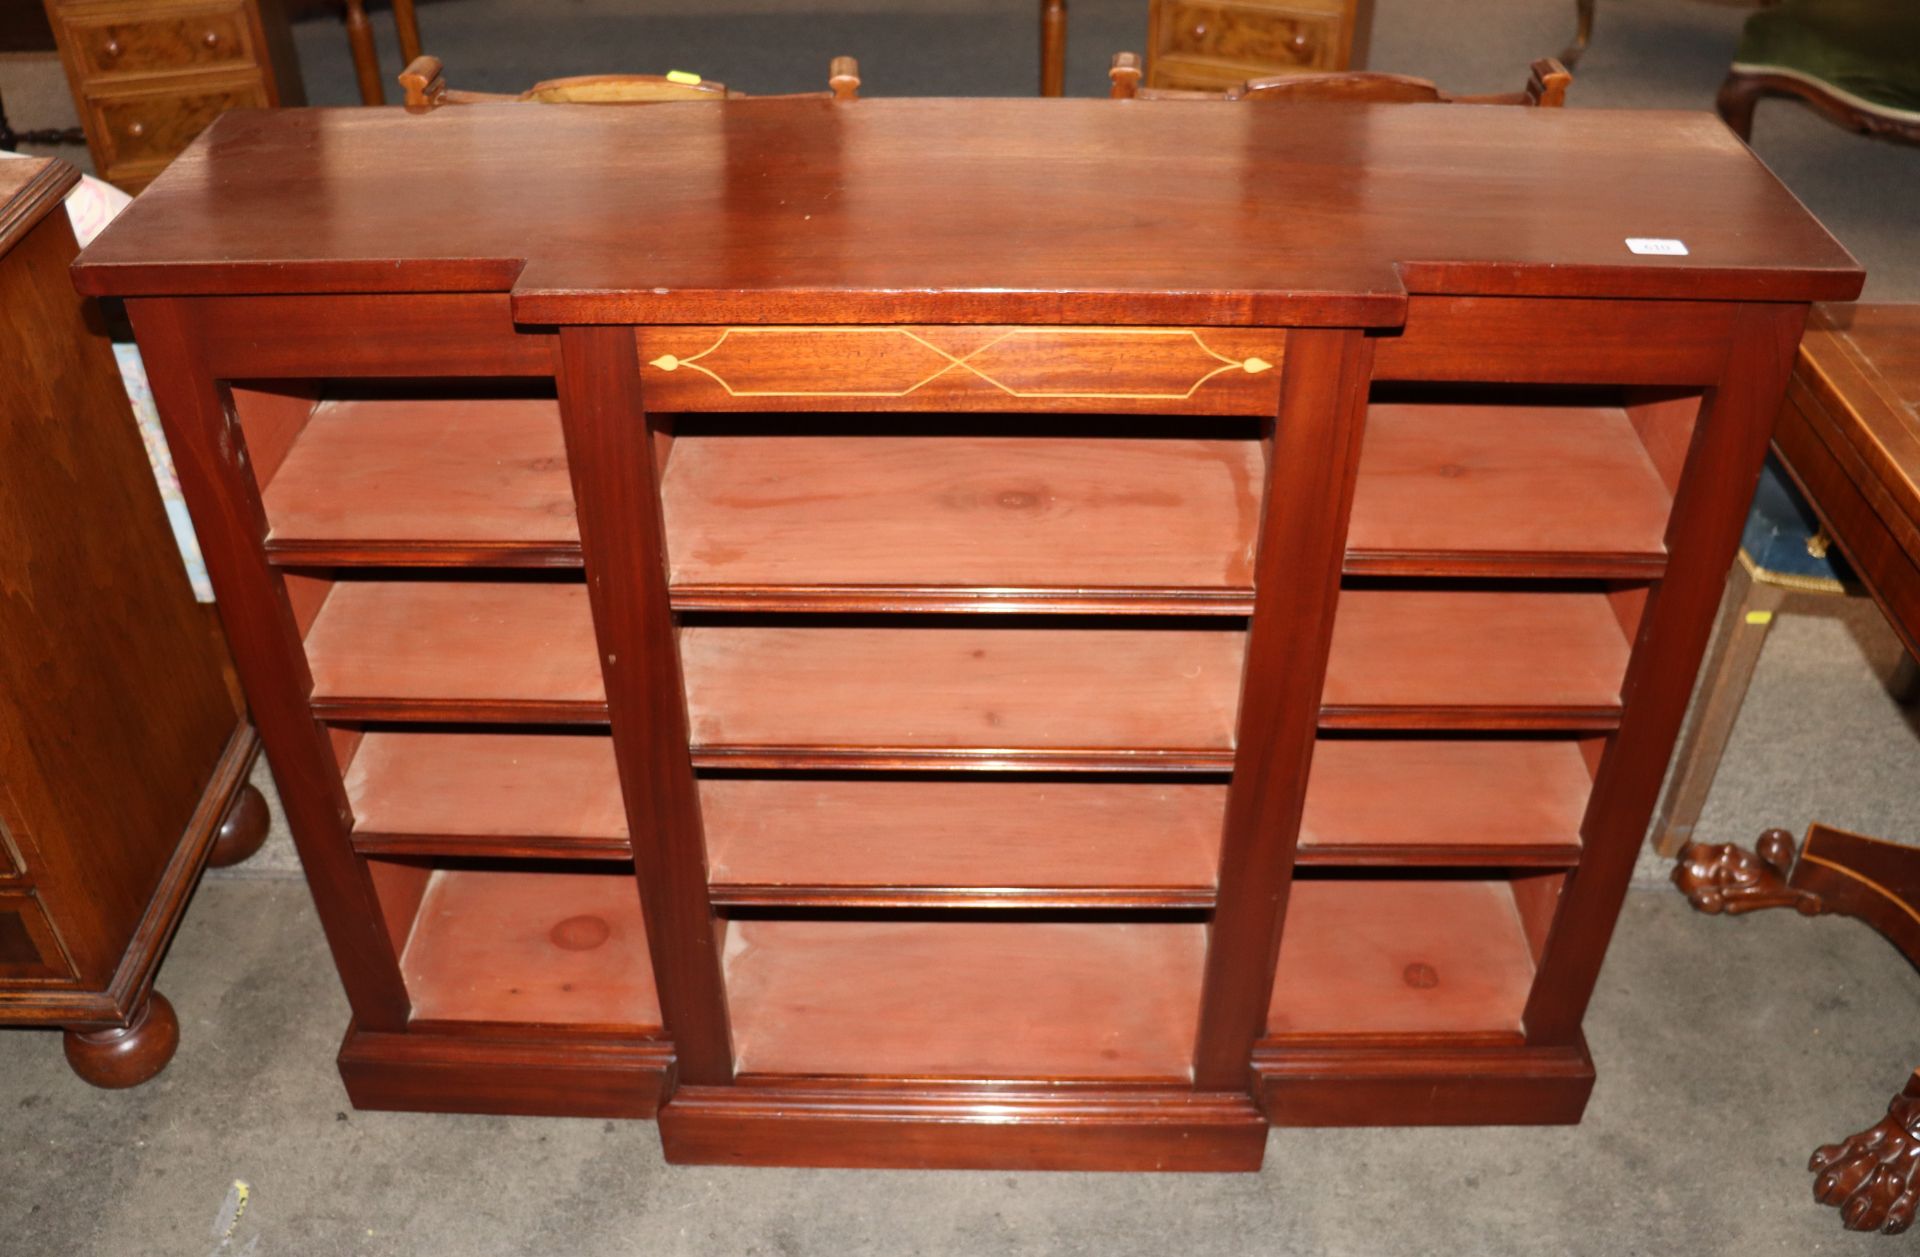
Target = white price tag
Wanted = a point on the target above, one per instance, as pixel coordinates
(1657, 247)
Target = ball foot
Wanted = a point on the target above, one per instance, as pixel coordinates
(242, 831)
(127, 1056)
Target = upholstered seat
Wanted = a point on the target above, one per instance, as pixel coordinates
(1857, 61)
(1783, 543)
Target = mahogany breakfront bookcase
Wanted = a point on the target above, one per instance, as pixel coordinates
(969, 633)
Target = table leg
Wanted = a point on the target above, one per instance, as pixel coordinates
(1053, 47)
(1872, 1177)
(1746, 613)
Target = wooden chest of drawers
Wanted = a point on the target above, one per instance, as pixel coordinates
(149, 76)
(1210, 44)
(123, 752)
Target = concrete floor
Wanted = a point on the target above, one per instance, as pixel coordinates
(1727, 1050)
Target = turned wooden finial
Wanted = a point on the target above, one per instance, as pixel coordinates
(1125, 75)
(843, 76)
(1548, 84)
(424, 83)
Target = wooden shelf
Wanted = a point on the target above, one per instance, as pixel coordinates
(1474, 659)
(1385, 957)
(965, 999)
(978, 697)
(531, 949)
(1015, 844)
(476, 481)
(962, 521)
(1478, 802)
(455, 650)
(972, 521)
(487, 794)
(1466, 490)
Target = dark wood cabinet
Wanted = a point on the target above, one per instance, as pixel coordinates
(123, 749)
(969, 633)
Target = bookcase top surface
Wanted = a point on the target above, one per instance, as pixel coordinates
(1072, 211)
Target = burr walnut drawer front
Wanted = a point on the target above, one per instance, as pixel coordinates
(1100, 370)
(29, 948)
(150, 127)
(177, 39)
(1264, 40)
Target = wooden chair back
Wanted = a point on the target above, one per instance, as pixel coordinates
(1546, 87)
(426, 86)
(366, 57)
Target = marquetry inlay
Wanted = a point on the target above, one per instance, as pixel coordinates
(1135, 368)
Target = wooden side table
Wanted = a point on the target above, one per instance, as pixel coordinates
(1850, 435)
(124, 753)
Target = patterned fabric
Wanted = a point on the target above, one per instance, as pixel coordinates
(90, 207)
(1783, 543)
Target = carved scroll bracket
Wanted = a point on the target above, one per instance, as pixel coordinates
(1721, 877)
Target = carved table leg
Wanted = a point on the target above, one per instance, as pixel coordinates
(242, 830)
(1720, 877)
(127, 1056)
(1873, 1177)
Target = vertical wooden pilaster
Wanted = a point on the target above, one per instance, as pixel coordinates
(210, 455)
(1703, 532)
(623, 538)
(1315, 451)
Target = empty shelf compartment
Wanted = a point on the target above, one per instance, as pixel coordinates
(437, 793)
(455, 650)
(1389, 956)
(987, 512)
(513, 947)
(979, 843)
(1448, 483)
(965, 999)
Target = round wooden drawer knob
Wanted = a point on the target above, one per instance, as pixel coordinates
(211, 39)
(136, 129)
(111, 48)
(1199, 30)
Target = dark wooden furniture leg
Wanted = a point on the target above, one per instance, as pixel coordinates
(1872, 1177)
(1582, 34)
(1053, 47)
(126, 1056)
(1746, 615)
(366, 57)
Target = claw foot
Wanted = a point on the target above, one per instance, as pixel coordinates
(1873, 1177)
(1720, 877)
